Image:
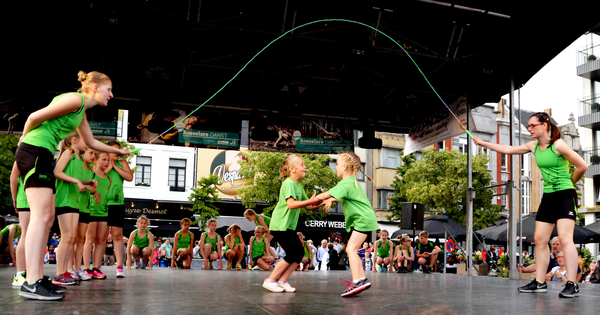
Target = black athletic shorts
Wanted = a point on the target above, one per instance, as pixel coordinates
(116, 215)
(290, 242)
(557, 205)
(65, 210)
(98, 219)
(23, 209)
(36, 166)
(84, 217)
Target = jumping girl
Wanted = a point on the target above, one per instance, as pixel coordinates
(559, 201)
(360, 217)
(42, 132)
(234, 246)
(210, 250)
(118, 171)
(183, 246)
(284, 221)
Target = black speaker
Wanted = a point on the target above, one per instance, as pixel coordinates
(412, 215)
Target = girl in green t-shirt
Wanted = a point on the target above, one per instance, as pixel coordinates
(183, 245)
(89, 157)
(284, 221)
(234, 247)
(259, 249)
(42, 132)
(405, 255)
(359, 215)
(210, 246)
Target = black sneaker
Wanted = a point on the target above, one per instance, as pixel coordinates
(38, 291)
(47, 281)
(426, 269)
(534, 287)
(571, 290)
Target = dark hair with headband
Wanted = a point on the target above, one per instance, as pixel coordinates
(554, 131)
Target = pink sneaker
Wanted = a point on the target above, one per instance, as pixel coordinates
(97, 274)
(89, 273)
(120, 272)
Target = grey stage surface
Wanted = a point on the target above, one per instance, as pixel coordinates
(165, 291)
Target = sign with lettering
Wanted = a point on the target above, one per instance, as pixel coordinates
(226, 166)
(103, 128)
(217, 138)
(325, 224)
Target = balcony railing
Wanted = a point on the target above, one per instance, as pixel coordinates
(592, 158)
(589, 111)
(588, 62)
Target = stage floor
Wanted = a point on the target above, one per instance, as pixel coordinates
(165, 291)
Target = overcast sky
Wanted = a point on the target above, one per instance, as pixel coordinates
(557, 85)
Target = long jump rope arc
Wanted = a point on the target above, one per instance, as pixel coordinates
(298, 27)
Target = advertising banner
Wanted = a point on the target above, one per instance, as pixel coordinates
(225, 165)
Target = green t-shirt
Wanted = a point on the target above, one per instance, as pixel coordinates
(212, 241)
(554, 168)
(358, 212)
(141, 242)
(115, 196)
(284, 218)
(5, 232)
(21, 196)
(100, 209)
(267, 220)
(184, 242)
(258, 248)
(84, 199)
(235, 242)
(51, 132)
(67, 194)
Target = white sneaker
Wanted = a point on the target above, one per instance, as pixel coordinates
(82, 276)
(272, 286)
(286, 286)
(73, 274)
(256, 268)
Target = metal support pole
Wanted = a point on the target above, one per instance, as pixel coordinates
(469, 209)
(445, 251)
(512, 237)
(520, 188)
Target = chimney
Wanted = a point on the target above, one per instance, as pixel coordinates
(548, 111)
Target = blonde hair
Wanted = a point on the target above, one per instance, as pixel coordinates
(67, 142)
(288, 163)
(260, 229)
(142, 217)
(300, 234)
(424, 233)
(210, 221)
(403, 239)
(90, 78)
(353, 161)
(233, 227)
(249, 212)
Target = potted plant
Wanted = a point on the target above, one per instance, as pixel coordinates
(595, 160)
(595, 107)
(591, 58)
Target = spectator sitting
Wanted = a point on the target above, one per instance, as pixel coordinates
(109, 252)
(405, 255)
(343, 255)
(50, 257)
(556, 247)
(426, 252)
(361, 253)
(279, 252)
(196, 252)
(559, 273)
(590, 276)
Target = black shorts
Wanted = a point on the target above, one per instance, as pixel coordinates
(98, 219)
(36, 166)
(255, 260)
(65, 210)
(84, 217)
(23, 209)
(557, 205)
(290, 242)
(362, 232)
(3, 248)
(116, 215)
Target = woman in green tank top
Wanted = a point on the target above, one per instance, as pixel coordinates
(559, 201)
(234, 246)
(405, 255)
(210, 246)
(42, 132)
(259, 250)
(183, 245)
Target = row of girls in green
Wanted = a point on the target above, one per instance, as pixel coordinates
(43, 131)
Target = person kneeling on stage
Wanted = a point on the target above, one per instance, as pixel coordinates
(427, 253)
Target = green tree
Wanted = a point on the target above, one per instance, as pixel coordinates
(262, 169)
(439, 180)
(8, 146)
(203, 196)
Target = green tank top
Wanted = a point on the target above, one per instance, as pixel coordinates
(100, 209)
(21, 196)
(67, 194)
(406, 249)
(306, 250)
(51, 132)
(258, 248)
(84, 198)
(115, 196)
(235, 242)
(184, 242)
(554, 168)
(5, 233)
(212, 241)
(384, 251)
(267, 219)
(141, 242)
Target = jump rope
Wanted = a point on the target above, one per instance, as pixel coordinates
(298, 27)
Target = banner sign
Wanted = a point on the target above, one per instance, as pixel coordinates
(439, 127)
(203, 137)
(103, 128)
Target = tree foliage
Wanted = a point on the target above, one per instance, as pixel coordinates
(439, 180)
(8, 146)
(203, 197)
(262, 169)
